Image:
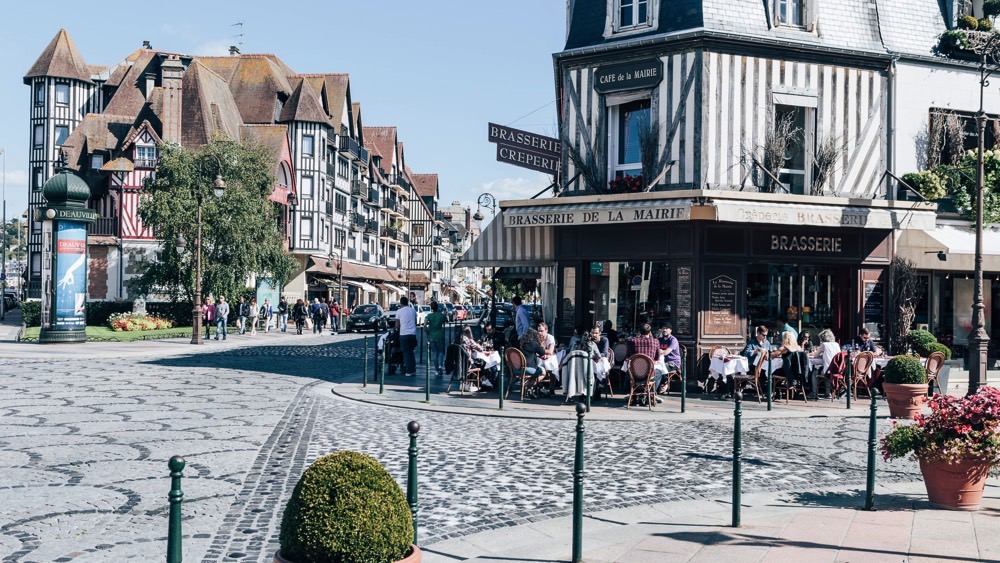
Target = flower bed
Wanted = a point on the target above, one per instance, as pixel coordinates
(127, 322)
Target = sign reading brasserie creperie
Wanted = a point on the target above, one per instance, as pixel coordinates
(526, 149)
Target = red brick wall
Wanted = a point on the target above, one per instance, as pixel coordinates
(98, 264)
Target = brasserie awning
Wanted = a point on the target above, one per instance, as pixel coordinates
(499, 246)
(956, 242)
(364, 286)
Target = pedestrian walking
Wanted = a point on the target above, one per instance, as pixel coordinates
(406, 322)
(314, 312)
(283, 313)
(434, 324)
(299, 314)
(266, 314)
(252, 315)
(242, 310)
(221, 318)
(335, 317)
(207, 315)
(324, 313)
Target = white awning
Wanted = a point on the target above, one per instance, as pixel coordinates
(958, 243)
(395, 288)
(461, 292)
(500, 246)
(364, 286)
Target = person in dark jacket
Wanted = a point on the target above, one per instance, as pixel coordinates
(531, 349)
(299, 313)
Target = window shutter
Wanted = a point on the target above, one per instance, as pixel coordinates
(811, 8)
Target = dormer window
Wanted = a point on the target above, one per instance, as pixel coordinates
(790, 12)
(626, 17)
(145, 157)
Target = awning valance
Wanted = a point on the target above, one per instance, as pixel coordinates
(519, 273)
(500, 246)
(317, 264)
(958, 243)
(364, 286)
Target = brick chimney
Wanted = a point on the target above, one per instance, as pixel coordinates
(171, 73)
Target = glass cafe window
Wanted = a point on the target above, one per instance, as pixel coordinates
(626, 119)
(811, 297)
(630, 294)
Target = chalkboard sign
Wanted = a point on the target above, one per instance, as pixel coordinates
(721, 317)
(684, 301)
(874, 307)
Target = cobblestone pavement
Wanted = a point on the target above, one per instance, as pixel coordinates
(84, 444)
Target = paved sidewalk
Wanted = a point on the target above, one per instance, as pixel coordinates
(820, 526)
(10, 326)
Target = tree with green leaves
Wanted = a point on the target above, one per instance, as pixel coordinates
(241, 235)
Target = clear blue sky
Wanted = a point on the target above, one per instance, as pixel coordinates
(437, 70)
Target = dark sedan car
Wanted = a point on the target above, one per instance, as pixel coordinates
(367, 317)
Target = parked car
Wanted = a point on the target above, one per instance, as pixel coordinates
(390, 314)
(422, 312)
(505, 316)
(10, 300)
(449, 312)
(477, 310)
(461, 313)
(367, 317)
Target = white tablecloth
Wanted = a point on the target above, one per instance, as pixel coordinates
(491, 358)
(731, 365)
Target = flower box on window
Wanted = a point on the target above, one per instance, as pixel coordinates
(625, 184)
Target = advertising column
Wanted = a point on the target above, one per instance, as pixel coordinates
(70, 280)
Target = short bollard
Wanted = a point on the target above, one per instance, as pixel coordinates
(737, 458)
(500, 390)
(848, 381)
(581, 410)
(427, 376)
(385, 365)
(770, 390)
(872, 442)
(176, 497)
(411, 479)
(364, 382)
(684, 379)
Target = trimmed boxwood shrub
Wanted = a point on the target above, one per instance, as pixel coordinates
(927, 183)
(906, 370)
(938, 347)
(920, 340)
(346, 508)
(985, 25)
(32, 313)
(98, 311)
(178, 313)
(968, 22)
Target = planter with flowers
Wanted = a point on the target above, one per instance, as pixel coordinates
(625, 184)
(957, 445)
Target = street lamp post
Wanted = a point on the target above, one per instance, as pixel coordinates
(218, 186)
(3, 243)
(340, 273)
(486, 199)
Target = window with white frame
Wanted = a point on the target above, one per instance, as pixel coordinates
(795, 173)
(38, 137)
(145, 156)
(62, 94)
(308, 145)
(625, 120)
(62, 132)
(632, 14)
(343, 169)
(306, 228)
(341, 238)
(341, 204)
(306, 189)
(790, 12)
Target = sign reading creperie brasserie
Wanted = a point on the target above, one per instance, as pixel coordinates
(651, 213)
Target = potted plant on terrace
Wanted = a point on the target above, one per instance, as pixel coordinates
(346, 508)
(905, 386)
(957, 445)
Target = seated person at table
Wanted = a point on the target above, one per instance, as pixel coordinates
(575, 339)
(805, 342)
(828, 349)
(489, 337)
(671, 350)
(756, 344)
(863, 341)
(783, 326)
(531, 349)
(796, 363)
(548, 343)
(645, 343)
(603, 346)
(468, 342)
(610, 332)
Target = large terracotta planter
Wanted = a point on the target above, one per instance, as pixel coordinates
(905, 399)
(413, 557)
(956, 486)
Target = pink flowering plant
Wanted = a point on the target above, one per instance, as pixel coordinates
(958, 428)
(625, 184)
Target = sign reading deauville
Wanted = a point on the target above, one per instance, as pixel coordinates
(526, 149)
(628, 76)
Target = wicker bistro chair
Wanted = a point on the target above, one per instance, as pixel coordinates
(642, 379)
(861, 372)
(835, 376)
(751, 379)
(795, 367)
(934, 363)
(517, 365)
(464, 372)
(618, 354)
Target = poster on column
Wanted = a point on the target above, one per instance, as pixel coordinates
(962, 320)
(71, 275)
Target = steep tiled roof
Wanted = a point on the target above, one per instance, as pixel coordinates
(383, 141)
(356, 115)
(60, 59)
(128, 99)
(912, 26)
(334, 91)
(256, 81)
(96, 132)
(426, 185)
(271, 137)
(304, 105)
(208, 107)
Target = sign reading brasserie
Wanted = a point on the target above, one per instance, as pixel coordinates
(526, 149)
(628, 76)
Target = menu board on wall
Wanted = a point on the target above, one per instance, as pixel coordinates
(721, 317)
(682, 318)
(874, 307)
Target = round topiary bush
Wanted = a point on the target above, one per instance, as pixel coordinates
(346, 508)
(920, 340)
(906, 370)
(938, 347)
(968, 22)
(927, 183)
(985, 25)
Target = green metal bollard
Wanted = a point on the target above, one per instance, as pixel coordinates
(578, 487)
(770, 389)
(684, 379)
(364, 382)
(411, 479)
(589, 376)
(870, 489)
(176, 497)
(427, 374)
(737, 458)
(501, 377)
(385, 362)
(848, 380)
